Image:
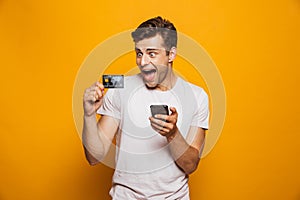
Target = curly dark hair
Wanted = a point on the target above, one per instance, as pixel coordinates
(154, 26)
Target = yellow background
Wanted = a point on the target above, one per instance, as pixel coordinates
(255, 45)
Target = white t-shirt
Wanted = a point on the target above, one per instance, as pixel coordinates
(145, 168)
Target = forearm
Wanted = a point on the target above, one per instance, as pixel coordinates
(185, 151)
(92, 140)
(185, 156)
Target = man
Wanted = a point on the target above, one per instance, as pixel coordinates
(155, 154)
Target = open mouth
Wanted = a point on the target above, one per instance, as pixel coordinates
(147, 72)
(149, 75)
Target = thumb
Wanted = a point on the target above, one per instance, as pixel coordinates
(173, 110)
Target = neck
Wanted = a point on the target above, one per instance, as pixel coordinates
(169, 82)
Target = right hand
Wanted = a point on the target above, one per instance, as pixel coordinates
(92, 99)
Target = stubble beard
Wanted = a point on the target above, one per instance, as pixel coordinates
(159, 81)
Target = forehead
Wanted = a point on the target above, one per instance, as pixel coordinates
(155, 42)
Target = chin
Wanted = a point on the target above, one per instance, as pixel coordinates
(151, 85)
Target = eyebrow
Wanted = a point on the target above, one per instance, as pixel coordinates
(149, 49)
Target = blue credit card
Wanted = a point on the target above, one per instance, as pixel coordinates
(113, 81)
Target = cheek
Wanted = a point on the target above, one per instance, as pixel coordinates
(137, 61)
(161, 62)
(162, 73)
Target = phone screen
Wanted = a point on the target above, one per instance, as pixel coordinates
(159, 109)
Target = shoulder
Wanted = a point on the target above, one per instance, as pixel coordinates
(197, 90)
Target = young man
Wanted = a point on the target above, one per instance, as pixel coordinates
(156, 154)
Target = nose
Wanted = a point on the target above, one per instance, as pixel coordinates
(145, 60)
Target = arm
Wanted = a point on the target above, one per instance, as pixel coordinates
(96, 136)
(186, 152)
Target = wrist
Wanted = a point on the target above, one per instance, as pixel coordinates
(89, 115)
(171, 135)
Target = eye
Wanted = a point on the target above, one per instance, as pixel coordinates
(152, 54)
(139, 54)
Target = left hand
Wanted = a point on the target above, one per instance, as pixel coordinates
(165, 124)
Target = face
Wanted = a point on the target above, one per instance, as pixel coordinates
(153, 61)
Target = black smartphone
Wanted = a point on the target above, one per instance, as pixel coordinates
(159, 109)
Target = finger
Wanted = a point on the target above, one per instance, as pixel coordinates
(161, 117)
(91, 93)
(173, 110)
(98, 93)
(159, 129)
(96, 86)
(157, 121)
(90, 98)
(161, 125)
(96, 90)
(99, 85)
(156, 129)
(96, 96)
(173, 116)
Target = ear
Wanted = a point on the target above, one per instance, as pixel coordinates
(172, 54)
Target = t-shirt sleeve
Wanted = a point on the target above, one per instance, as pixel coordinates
(201, 115)
(111, 104)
